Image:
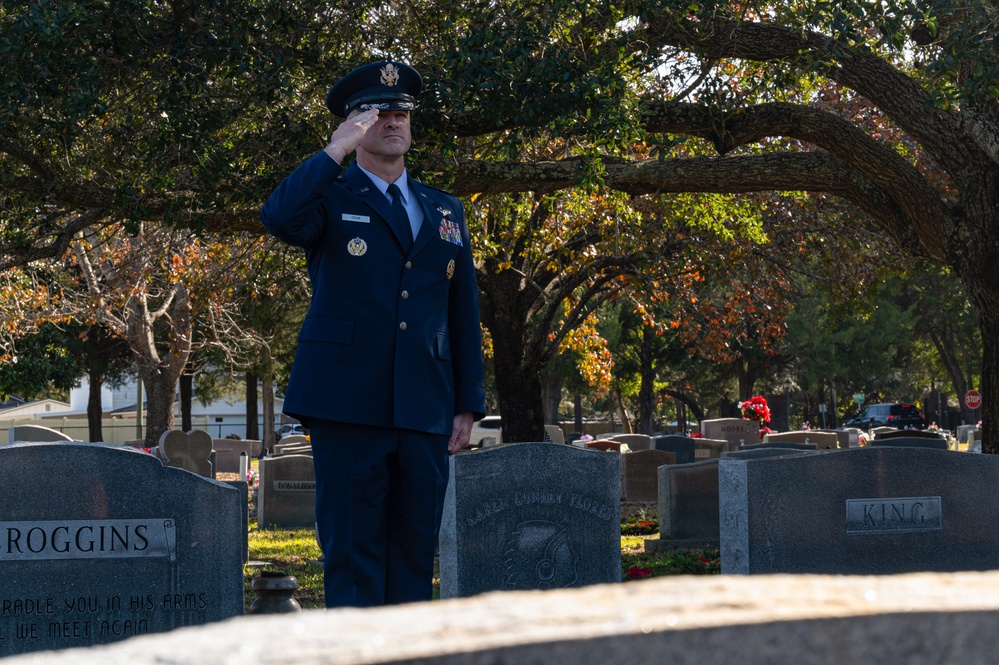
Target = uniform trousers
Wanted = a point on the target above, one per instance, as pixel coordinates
(379, 500)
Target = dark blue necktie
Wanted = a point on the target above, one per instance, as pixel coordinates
(400, 210)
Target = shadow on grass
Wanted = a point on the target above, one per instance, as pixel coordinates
(296, 552)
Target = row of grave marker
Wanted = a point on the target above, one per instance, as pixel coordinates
(102, 542)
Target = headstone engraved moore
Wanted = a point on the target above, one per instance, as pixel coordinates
(740, 431)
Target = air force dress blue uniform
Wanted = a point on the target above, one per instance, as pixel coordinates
(389, 352)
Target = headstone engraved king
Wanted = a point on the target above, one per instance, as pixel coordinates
(530, 516)
(861, 511)
(99, 543)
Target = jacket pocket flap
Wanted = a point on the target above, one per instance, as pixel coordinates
(327, 329)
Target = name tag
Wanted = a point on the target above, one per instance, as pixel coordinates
(356, 218)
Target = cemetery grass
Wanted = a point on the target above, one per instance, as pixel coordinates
(295, 552)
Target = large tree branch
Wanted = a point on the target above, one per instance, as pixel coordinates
(810, 172)
(179, 208)
(898, 95)
(921, 203)
(57, 246)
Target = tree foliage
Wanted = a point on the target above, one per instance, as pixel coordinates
(188, 113)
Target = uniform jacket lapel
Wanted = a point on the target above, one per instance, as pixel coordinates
(431, 215)
(361, 185)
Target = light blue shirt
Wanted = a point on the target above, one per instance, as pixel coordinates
(413, 208)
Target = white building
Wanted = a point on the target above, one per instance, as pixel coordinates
(220, 419)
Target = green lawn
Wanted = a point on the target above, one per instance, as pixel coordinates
(294, 552)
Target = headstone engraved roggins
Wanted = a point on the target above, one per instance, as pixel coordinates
(99, 543)
(530, 516)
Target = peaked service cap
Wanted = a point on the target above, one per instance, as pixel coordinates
(388, 86)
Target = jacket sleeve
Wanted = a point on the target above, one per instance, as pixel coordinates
(294, 212)
(465, 331)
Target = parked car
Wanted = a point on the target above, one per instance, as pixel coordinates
(486, 432)
(290, 428)
(899, 415)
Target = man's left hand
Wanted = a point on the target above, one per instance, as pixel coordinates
(460, 433)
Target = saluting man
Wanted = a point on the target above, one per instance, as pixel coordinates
(388, 370)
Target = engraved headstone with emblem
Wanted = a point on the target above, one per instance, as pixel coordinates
(860, 511)
(99, 543)
(530, 516)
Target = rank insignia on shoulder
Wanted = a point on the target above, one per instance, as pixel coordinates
(450, 269)
(449, 231)
(357, 247)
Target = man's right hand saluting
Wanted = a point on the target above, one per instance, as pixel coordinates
(348, 135)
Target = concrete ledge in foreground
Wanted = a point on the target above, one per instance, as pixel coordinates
(929, 618)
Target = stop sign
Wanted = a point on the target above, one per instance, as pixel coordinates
(973, 399)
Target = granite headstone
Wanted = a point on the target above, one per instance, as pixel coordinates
(818, 440)
(634, 441)
(681, 446)
(711, 448)
(605, 445)
(100, 542)
(286, 498)
(863, 511)
(36, 433)
(530, 516)
(227, 453)
(640, 474)
(688, 504)
(739, 431)
(191, 451)
(910, 442)
(909, 433)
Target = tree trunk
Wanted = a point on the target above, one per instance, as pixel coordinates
(647, 386)
(577, 412)
(186, 393)
(519, 391)
(160, 376)
(252, 426)
(267, 393)
(553, 397)
(95, 410)
(988, 412)
(160, 397)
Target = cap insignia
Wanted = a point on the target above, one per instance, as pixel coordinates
(390, 75)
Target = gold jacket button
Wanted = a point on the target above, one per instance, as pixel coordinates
(409, 264)
(405, 294)
(402, 326)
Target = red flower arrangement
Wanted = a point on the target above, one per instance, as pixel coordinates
(755, 408)
(636, 573)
